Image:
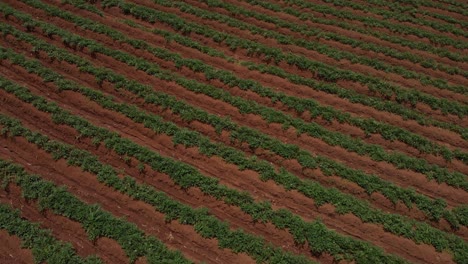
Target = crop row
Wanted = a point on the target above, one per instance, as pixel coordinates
(378, 23)
(414, 11)
(370, 183)
(448, 5)
(418, 45)
(327, 72)
(332, 138)
(365, 45)
(299, 104)
(270, 115)
(370, 126)
(402, 17)
(339, 54)
(243, 134)
(392, 223)
(152, 15)
(94, 220)
(319, 238)
(43, 245)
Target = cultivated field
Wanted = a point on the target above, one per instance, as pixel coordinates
(234, 131)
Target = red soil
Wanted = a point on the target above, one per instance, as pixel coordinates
(335, 44)
(265, 127)
(254, 188)
(11, 250)
(437, 160)
(290, 48)
(280, 84)
(393, 21)
(183, 237)
(380, 29)
(62, 228)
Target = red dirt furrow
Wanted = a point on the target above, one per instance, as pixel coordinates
(163, 145)
(264, 79)
(255, 122)
(391, 60)
(346, 224)
(393, 21)
(376, 139)
(422, 16)
(453, 79)
(343, 63)
(365, 37)
(443, 12)
(11, 250)
(281, 84)
(437, 114)
(184, 237)
(87, 188)
(62, 228)
(381, 202)
(449, 194)
(362, 25)
(265, 127)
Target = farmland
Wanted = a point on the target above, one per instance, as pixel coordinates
(234, 131)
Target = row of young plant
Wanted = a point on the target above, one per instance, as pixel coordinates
(194, 86)
(355, 43)
(299, 11)
(355, 97)
(316, 110)
(43, 245)
(413, 11)
(219, 125)
(338, 54)
(434, 209)
(401, 17)
(419, 12)
(437, 39)
(83, 4)
(447, 5)
(178, 24)
(368, 125)
(326, 71)
(319, 238)
(94, 220)
(300, 105)
(344, 203)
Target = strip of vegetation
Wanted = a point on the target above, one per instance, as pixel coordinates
(375, 152)
(365, 45)
(255, 139)
(369, 126)
(371, 183)
(151, 15)
(186, 176)
(43, 245)
(301, 11)
(319, 238)
(329, 72)
(95, 221)
(379, 23)
(401, 17)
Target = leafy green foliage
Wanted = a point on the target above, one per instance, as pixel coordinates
(94, 220)
(43, 245)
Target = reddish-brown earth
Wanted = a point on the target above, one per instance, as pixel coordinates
(184, 237)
